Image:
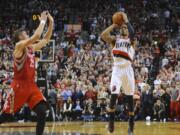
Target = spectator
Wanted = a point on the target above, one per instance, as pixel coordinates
(166, 99)
(157, 82)
(102, 93)
(88, 110)
(175, 103)
(67, 110)
(66, 92)
(60, 107)
(77, 110)
(159, 110)
(52, 98)
(90, 94)
(78, 95)
(147, 102)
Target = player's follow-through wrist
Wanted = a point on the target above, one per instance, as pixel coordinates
(43, 22)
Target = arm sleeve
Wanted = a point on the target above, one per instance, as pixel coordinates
(131, 30)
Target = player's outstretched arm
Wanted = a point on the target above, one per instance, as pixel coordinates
(131, 30)
(47, 36)
(37, 34)
(107, 37)
(21, 45)
(130, 27)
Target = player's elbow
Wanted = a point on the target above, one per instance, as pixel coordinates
(103, 37)
(37, 36)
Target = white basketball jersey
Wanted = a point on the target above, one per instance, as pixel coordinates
(123, 52)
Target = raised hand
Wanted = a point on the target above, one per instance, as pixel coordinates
(50, 17)
(125, 17)
(43, 16)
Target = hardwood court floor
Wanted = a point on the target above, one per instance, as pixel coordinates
(91, 128)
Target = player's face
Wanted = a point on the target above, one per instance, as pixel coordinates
(124, 30)
(23, 35)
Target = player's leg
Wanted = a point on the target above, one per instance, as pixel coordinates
(128, 84)
(129, 99)
(111, 112)
(40, 109)
(38, 104)
(115, 89)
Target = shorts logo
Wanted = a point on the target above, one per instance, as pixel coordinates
(114, 88)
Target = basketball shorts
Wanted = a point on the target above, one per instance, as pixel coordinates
(122, 77)
(22, 92)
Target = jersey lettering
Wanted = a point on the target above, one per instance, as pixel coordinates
(123, 44)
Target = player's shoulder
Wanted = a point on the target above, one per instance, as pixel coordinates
(18, 51)
(19, 44)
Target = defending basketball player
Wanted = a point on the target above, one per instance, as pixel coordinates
(122, 73)
(24, 89)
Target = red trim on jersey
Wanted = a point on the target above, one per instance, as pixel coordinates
(121, 53)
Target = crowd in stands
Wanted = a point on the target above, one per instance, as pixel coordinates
(78, 80)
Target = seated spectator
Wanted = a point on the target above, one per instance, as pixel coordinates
(67, 110)
(77, 110)
(159, 110)
(90, 94)
(88, 110)
(65, 92)
(78, 95)
(102, 93)
(100, 110)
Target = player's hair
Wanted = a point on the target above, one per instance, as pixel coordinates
(16, 35)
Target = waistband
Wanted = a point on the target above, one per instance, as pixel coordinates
(124, 65)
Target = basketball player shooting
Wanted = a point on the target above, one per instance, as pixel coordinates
(24, 89)
(122, 73)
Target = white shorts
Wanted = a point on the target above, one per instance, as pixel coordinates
(122, 77)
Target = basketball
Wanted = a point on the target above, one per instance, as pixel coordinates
(118, 18)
